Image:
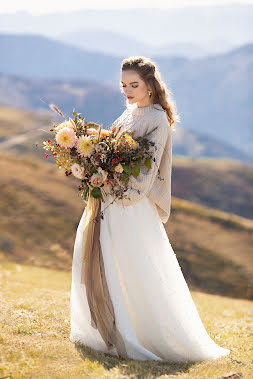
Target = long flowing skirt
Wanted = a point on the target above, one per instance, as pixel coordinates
(154, 311)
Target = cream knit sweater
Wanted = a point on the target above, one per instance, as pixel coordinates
(157, 187)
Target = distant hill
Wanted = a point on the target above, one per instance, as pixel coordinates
(102, 104)
(36, 56)
(214, 95)
(219, 183)
(96, 101)
(197, 144)
(119, 45)
(204, 89)
(41, 209)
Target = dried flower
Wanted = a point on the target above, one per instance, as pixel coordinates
(67, 124)
(66, 137)
(85, 146)
(55, 108)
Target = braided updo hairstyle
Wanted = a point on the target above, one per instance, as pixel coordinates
(160, 94)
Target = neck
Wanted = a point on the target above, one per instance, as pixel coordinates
(145, 109)
(142, 105)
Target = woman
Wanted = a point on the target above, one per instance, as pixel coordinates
(154, 316)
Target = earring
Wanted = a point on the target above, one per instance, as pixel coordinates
(150, 93)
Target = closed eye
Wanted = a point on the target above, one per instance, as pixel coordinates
(132, 86)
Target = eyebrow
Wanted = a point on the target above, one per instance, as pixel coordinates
(130, 82)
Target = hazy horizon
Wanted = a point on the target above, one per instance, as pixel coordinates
(28, 6)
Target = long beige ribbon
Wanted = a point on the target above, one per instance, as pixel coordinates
(93, 276)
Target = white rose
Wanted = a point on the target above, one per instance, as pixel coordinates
(78, 171)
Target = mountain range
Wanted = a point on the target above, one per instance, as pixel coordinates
(209, 28)
(213, 95)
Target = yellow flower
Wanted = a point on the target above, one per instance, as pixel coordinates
(64, 160)
(84, 146)
(131, 142)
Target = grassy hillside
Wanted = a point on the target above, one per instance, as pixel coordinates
(35, 326)
(40, 210)
(22, 132)
(218, 183)
(15, 121)
(213, 247)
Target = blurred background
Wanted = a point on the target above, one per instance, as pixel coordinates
(70, 55)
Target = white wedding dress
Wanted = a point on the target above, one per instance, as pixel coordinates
(154, 310)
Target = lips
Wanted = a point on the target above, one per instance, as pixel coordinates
(130, 97)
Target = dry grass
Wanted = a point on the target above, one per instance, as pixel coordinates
(40, 209)
(218, 183)
(15, 121)
(213, 247)
(35, 325)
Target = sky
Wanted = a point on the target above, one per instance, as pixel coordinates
(53, 6)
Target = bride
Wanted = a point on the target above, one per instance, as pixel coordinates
(150, 313)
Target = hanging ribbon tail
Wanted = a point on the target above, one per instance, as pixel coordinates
(94, 279)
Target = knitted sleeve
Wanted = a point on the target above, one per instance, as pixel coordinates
(140, 186)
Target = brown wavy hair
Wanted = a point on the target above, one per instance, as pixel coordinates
(149, 73)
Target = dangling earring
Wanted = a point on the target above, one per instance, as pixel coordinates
(150, 93)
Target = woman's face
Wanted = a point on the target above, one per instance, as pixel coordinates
(134, 88)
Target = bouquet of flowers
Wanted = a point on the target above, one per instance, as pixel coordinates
(102, 159)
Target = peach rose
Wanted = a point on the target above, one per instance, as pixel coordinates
(96, 180)
(92, 132)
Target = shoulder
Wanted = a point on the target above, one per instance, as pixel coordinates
(159, 118)
(157, 107)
